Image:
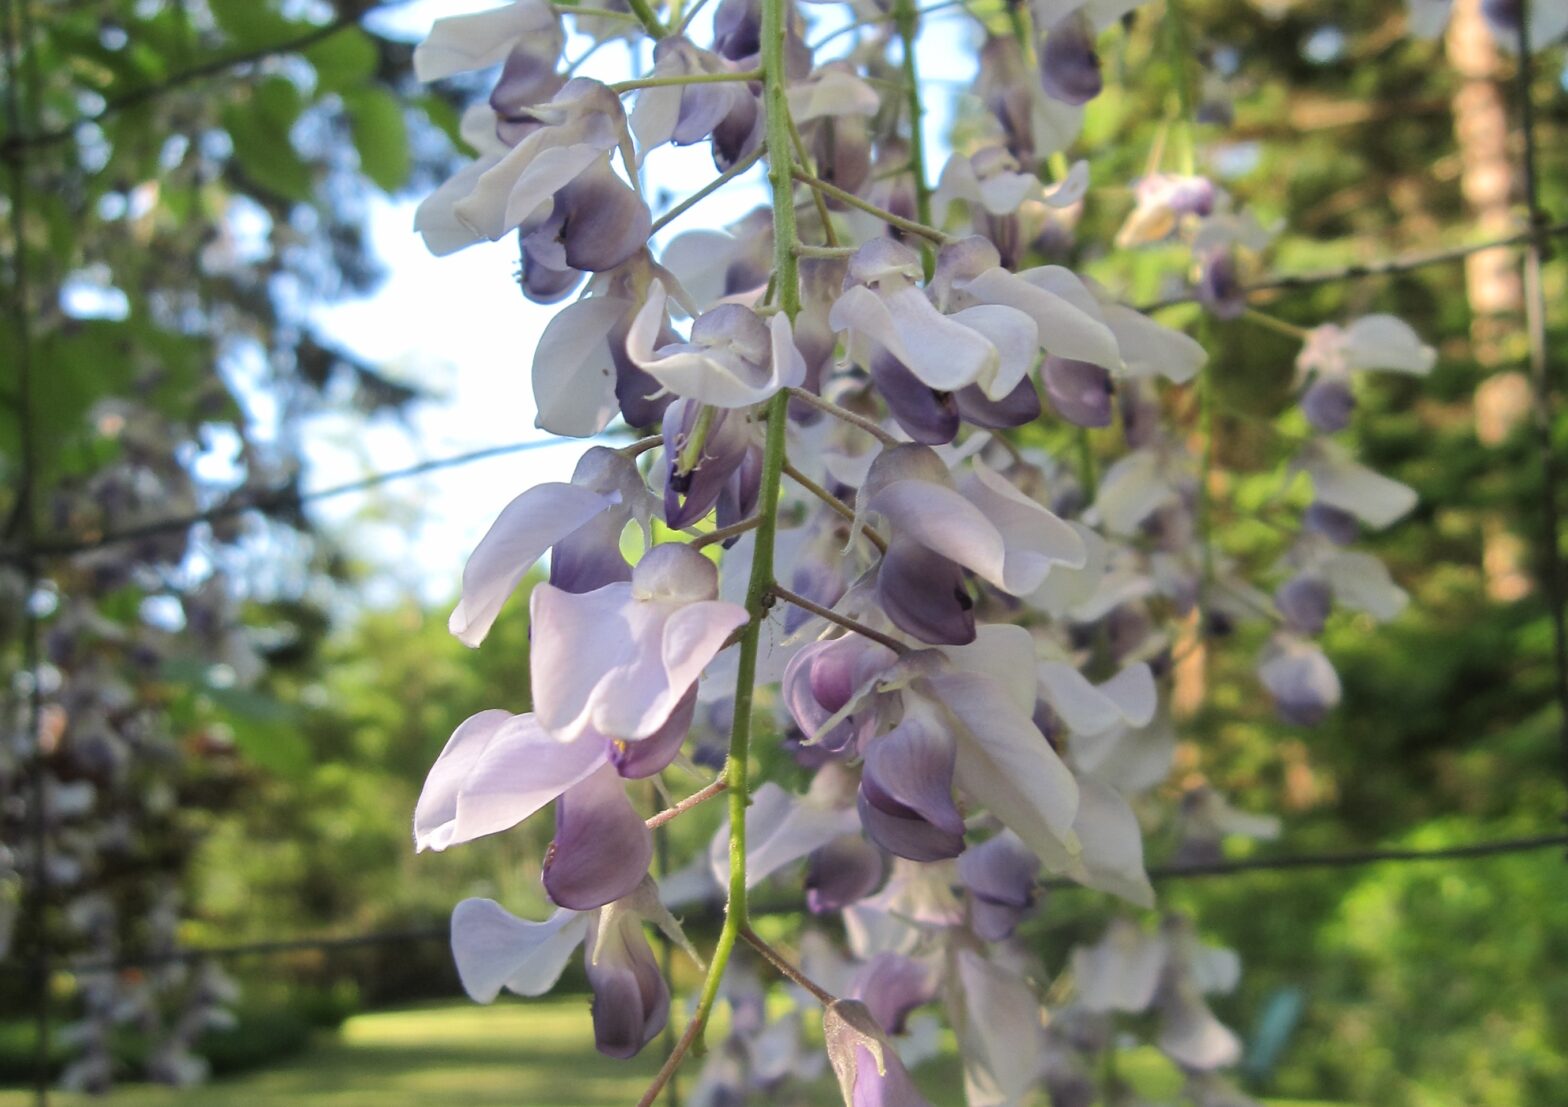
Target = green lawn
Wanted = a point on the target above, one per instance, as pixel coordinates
(526, 1054)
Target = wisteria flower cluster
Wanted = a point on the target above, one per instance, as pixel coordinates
(105, 815)
(841, 520)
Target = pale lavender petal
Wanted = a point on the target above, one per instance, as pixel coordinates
(998, 1023)
(1005, 764)
(495, 771)
(494, 949)
(845, 871)
(906, 793)
(526, 527)
(891, 986)
(1080, 391)
(781, 828)
(1000, 874)
(572, 366)
(1339, 527)
(631, 1001)
(1018, 408)
(650, 755)
(618, 660)
(466, 42)
(925, 595)
(1303, 683)
(590, 557)
(690, 495)
(942, 353)
(1305, 601)
(602, 846)
(822, 678)
(1069, 64)
(604, 220)
(1328, 405)
(928, 416)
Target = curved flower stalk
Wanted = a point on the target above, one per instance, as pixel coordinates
(882, 409)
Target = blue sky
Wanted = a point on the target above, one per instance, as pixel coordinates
(458, 327)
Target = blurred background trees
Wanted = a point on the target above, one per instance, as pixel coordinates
(236, 737)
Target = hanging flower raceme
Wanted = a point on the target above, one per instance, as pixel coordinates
(964, 639)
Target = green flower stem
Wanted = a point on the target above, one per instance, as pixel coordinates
(759, 591)
(687, 79)
(907, 17)
(1180, 48)
(1273, 323)
(645, 16)
(912, 226)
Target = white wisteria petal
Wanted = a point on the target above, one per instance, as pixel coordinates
(574, 369)
(1005, 764)
(1133, 692)
(941, 353)
(460, 43)
(700, 260)
(946, 522)
(1112, 843)
(617, 660)
(525, 529)
(781, 827)
(1071, 188)
(1343, 483)
(1024, 524)
(1016, 340)
(436, 220)
(1082, 707)
(1214, 969)
(1122, 971)
(524, 181)
(1130, 760)
(996, 1016)
(716, 375)
(1131, 490)
(1152, 349)
(495, 949)
(1191, 1036)
(495, 771)
(832, 91)
(1065, 324)
(1067, 587)
(1005, 653)
(1387, 342)
(1361, 581)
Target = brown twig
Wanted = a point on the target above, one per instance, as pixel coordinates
(660, 818)
(785, 967)
(839, 620)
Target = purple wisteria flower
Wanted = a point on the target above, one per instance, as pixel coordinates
(618, 660)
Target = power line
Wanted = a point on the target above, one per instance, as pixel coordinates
(1347, 859)
(272, 500)
(1287, 863)
(1390, 267)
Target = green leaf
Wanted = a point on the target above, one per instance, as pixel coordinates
(260, 130)
(253, 22)
(344, 60)
(380, 135)
(1150, 1074)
